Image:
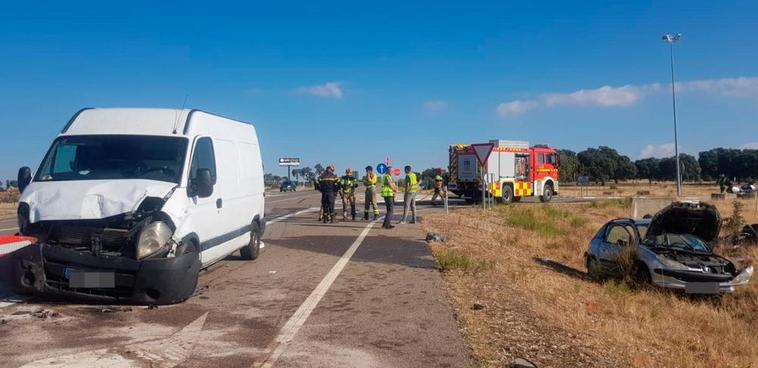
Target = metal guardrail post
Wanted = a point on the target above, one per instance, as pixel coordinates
(445, 199)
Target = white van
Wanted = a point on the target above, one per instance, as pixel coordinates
(129, 205)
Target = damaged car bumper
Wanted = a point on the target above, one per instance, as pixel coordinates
(59, 271)
(699, 283)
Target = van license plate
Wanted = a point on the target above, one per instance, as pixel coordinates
(701, 288)
(86, 279)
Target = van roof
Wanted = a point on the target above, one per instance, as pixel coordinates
(137, 121)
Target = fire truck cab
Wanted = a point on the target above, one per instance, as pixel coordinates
(514, 170)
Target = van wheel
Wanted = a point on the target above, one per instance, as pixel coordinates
(253, 249)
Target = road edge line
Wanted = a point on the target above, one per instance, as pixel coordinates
(298, 319)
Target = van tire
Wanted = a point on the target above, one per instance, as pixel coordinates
(252, 250)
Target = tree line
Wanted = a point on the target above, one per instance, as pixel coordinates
(604, 164)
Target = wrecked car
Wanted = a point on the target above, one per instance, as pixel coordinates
(128, 205)
(673, 250)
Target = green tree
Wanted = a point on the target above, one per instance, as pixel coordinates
(307, 173)
(647, 168)
(319, 169)
(605, 163)
(569, 165)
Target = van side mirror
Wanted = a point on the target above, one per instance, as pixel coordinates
(204, 183)
(24, 178)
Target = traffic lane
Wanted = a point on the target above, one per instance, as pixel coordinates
(241, 304)
(8, 226)
(387, 309)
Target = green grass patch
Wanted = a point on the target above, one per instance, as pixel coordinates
(617, 288)
(529, 220)
(450, 260)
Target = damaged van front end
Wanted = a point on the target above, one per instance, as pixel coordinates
(118, 250)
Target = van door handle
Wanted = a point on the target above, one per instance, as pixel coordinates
(219, 203)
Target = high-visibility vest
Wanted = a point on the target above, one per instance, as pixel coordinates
(370, 180)
(386, 188)
(413, 181)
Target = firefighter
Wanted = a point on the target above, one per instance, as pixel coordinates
(348, 183)
(439, 189)
(329, 186)
(409, 199)
(388, 193)
(369, 181)
(722, 183)
(317, 186)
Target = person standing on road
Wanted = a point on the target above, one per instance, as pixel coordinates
(409, 199)
(388, 193)
(369, 181)
(329, 186)
(348, 183)
(439, 189)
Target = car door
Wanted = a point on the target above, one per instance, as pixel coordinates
(617, 236)
(204, 215)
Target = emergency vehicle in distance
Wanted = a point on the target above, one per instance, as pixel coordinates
(516, 169)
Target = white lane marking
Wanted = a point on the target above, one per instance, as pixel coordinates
(10, 228)
(284, 217)
(11, 299)
(297, 320)
(165, 353)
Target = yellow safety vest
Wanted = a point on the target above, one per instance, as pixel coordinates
(413, 181)
(370, 180)
(386, 188)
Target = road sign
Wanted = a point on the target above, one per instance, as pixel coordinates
(381, 168)
(396, 172)
(482, 151)
(289, 161)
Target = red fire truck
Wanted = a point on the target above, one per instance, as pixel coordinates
(514, 170)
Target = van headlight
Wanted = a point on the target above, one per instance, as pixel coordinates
(153, 238)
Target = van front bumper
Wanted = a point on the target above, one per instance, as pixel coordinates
(45, 269)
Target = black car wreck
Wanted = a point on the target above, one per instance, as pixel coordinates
(675, 250)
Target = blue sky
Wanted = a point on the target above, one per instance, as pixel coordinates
(350, 82)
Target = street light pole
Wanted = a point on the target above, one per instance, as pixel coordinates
(671, 39)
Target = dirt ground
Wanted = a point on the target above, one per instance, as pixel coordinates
(517, 278)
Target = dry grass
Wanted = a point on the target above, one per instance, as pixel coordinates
(8, 209)
(551, 313)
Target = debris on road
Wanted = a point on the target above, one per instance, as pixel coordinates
(477, 306)
(115, 309)
(38, 312)
(434, 238)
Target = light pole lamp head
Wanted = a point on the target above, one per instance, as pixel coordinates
(671, 38)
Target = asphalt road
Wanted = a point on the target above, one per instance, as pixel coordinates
(321, 295)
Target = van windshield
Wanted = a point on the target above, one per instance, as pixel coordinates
(93, 157)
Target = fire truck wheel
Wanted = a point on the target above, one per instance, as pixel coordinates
(547, 194)
(507, 196)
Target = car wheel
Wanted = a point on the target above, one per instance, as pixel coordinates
(253, 249)
(547, 193)
(593, 269)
